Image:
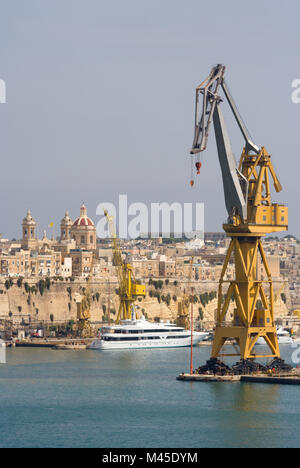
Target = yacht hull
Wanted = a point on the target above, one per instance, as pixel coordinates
(147, 343)
(281, 340)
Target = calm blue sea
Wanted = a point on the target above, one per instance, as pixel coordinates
(110, 399)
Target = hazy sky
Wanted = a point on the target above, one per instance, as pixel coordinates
(100, 101)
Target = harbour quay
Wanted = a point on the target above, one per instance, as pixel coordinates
(291, 378)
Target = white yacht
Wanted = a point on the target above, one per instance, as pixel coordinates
(141, 334)
(283, 337)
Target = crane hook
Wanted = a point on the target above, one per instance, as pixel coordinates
(198, 167)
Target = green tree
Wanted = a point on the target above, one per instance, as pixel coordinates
(201, 313)
(283, 297)
(41, 286)
(70, 325)
(20, 281)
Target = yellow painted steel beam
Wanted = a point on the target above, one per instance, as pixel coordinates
(246, 247)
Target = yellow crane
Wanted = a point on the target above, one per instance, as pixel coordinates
(129, 289)
(83, 308)
(251, 215)
(183, 316)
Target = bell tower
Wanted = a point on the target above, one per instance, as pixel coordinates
(65, 227)
(29, 238)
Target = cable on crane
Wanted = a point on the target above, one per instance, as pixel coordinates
(192, 181)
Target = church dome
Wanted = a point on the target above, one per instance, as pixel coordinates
(83, 219)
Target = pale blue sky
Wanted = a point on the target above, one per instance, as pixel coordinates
(100, 100)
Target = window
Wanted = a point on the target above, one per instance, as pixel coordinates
(177, 337)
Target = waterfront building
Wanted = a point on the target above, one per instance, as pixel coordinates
(30, 263)
(274, 268)
(144, 268)
(66, 267)
(167, 267)
(82, 261)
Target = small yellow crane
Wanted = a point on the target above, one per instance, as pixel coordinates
(83, 308)
(129, 288)
(183, 317)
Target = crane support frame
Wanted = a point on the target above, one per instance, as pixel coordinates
(250, 321)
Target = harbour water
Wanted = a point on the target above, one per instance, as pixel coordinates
(51, 398)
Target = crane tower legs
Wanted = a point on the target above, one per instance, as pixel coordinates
(252, 293)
